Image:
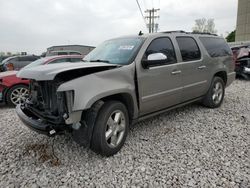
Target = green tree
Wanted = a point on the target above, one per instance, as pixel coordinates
(204, 25)
(231, 36)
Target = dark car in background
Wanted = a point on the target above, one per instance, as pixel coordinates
(14, 90)
(17, 62)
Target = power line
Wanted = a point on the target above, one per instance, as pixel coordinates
(152, 26)
(141, 12)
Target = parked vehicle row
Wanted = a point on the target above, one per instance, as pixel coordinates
(123, 81)
(14, 90)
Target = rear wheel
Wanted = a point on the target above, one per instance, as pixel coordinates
(111, 128)
(215, 94)
(17, 94)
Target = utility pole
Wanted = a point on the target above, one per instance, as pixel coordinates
(152, 26)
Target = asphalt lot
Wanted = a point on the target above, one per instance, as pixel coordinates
(192, 146)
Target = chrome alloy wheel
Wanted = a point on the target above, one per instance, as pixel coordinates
(115, 128)
(217, 93)
(19, 95)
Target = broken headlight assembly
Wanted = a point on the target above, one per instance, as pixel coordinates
(69, 100)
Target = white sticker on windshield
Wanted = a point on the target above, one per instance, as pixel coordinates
(127, 47)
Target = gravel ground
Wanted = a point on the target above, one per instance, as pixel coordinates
(189, 147)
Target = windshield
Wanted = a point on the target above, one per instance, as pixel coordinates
(35, 63)
(116, 51)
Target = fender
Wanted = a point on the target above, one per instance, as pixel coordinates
(91, 88)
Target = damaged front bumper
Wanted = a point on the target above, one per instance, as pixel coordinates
(34, 123)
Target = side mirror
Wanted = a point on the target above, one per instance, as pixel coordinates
(154, 59)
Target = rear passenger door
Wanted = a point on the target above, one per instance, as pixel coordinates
(160, 84)
(192, 68)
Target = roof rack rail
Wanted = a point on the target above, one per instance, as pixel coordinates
(203, 33)
(177, 31)
(194, 32)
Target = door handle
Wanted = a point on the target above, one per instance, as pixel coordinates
(176, 72)
(202, 67)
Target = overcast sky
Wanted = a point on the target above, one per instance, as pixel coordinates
(34, 25)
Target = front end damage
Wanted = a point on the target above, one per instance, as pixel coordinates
(46, 110)
(61, 100)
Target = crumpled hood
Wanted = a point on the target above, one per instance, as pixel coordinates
(49, 72)
(7, 73)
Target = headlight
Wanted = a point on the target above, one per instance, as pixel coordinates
(69, 100)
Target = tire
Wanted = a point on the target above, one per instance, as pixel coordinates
(111, 128)
(215, 94)
(17, 94)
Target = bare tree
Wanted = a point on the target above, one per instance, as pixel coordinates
(204, 25)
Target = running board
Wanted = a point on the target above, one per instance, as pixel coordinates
(166, 110)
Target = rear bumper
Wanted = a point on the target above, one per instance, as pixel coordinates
(34, 124)
(230, 78)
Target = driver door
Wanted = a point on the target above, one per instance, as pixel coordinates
(160, 83)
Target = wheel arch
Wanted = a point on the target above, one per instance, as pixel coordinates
(126, 99)
(222, 75)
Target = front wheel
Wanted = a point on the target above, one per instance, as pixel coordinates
(215, 94)
(111, 128)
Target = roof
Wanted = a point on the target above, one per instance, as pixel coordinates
(70, 46)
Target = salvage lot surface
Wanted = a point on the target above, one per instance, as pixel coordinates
(191, 146)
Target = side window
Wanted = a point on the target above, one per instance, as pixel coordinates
(62, 53)
(189, 48)
(22, 58)
(60, 61)
(216, 47)
(74, 53)
(13, 60)
(75, 59)
(162, 45)
(32, 58)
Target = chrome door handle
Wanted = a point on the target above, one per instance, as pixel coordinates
(202, 67)
(176, 72)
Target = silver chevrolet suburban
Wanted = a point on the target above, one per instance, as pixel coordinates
(123, 81)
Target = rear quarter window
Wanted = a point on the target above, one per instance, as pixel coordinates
(216, 47)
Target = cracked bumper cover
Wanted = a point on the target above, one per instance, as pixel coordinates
(33, 124)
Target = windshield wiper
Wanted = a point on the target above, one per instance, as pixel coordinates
(99, 60)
